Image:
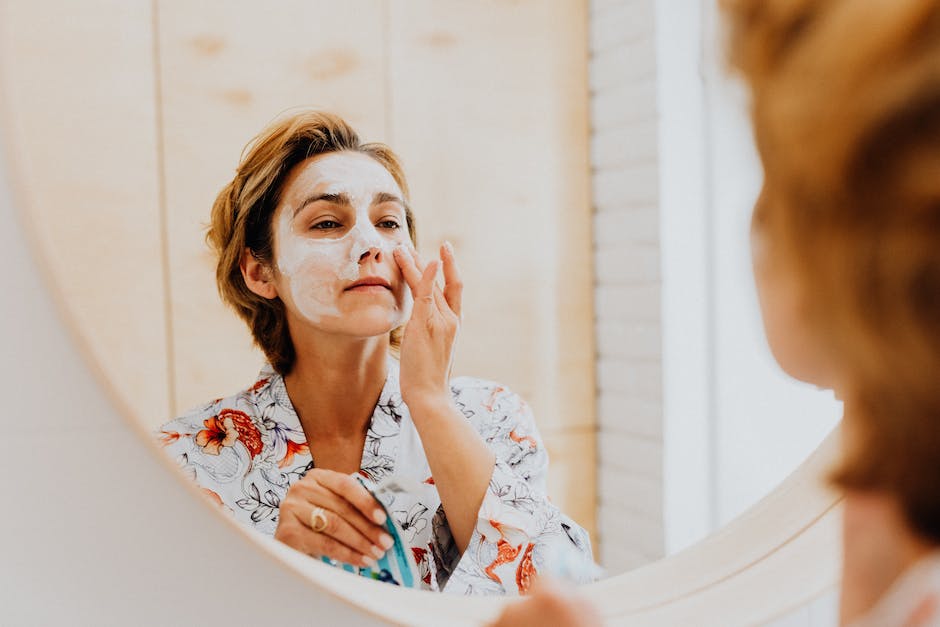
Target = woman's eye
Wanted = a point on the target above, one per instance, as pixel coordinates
(326, 224)
(389, 224)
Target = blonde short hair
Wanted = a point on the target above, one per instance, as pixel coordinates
(243, 212)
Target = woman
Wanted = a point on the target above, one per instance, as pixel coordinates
(314, 238)
(846, 110)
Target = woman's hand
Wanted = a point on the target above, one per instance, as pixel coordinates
(427, 348)
(549, 605)
(348, 529)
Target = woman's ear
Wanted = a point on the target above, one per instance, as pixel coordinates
(258, 276)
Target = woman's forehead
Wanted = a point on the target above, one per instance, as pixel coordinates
(348, 172)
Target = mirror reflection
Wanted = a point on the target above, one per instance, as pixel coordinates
(595, 188)
(354, 445)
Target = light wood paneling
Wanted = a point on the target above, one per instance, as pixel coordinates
(489, 111)
(487, 104)
(227, 70)
(78, 95)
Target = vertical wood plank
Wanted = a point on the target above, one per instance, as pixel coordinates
(487, 104)
(489, 112)
(227, 70)
(79, 116)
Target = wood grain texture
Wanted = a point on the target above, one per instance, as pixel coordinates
(80, 125)
(489, 110)
(486, 104)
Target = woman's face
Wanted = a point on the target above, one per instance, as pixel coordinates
(340, 217)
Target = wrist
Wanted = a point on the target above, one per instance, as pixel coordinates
(429, 405)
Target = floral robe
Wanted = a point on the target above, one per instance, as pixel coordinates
(246, 450)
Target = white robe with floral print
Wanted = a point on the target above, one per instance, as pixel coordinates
(246, 450)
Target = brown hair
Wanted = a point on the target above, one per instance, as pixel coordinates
(846, 112)
(243, 211)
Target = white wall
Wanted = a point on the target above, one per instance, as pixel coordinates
(696, 422)
(765, 423)
(734, 424)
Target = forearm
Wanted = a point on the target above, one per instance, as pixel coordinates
(460, 463)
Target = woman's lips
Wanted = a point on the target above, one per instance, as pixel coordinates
(370, 284)
(368, 288)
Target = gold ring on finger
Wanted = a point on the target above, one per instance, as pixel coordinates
(318, 521)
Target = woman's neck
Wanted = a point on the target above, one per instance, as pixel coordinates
(335, 383)
(878, 547)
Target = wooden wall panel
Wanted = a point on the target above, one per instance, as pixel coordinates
(79, 121)
(489, 112)
(486, 102)
(227, 70)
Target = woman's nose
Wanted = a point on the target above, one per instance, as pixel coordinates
(375, 252)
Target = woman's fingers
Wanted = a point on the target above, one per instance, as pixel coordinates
(409, 268)
(321, 544)
(416, 256)
(442, 306)
(453, 284)
(424, 295)
(316, 495)
(331, 514)
(353, 492)
(421, 278)
(338, 529)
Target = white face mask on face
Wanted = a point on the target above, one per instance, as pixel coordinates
(319, 264)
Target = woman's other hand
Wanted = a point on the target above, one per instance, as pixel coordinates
(427, 349)
(348, 525)
(549, 605)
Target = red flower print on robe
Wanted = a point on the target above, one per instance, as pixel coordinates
(525, 573)
(218, 434)
(293, 448)
(505, 553)
(247, 431)
(421, 559)
(260, 383)
(169, 437)
(213, 496)
(490, 403)
(519, 439)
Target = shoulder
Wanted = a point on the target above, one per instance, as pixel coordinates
(490, 394)
(212, 433)
(505, 422)
(484, 401)
(242, 408)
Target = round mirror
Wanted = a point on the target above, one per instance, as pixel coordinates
(591, 165)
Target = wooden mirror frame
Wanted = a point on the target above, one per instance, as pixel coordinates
(776, 557)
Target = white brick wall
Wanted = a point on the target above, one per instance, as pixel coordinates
(628, 208)
(625, 181)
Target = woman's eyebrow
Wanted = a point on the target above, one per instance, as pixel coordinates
(381, 197)
(339, 199)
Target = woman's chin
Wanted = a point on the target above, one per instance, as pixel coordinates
(372, 322)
